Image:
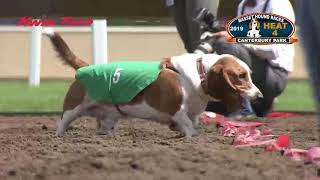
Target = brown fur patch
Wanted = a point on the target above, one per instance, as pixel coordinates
(165, 94)
(166, 63)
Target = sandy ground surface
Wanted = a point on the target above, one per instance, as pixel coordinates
(142, 150)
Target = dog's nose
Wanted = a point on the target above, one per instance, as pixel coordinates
(258, 97)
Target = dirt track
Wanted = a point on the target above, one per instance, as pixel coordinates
(142, 150)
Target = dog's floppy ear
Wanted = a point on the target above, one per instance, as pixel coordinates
(227, 77)
(166, 64)
(258, 25)
(250, 25)
(218, 76)
(218, 84)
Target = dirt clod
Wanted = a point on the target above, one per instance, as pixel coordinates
(44, 127)
(12, 173)
(96, 164)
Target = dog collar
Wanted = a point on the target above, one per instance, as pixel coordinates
(202, 75)
(201, 70)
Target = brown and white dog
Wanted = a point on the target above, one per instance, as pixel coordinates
(179, 95)
(254, 27)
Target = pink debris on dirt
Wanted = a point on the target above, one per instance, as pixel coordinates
(247, 134)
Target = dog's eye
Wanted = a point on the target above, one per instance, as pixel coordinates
(242, 76)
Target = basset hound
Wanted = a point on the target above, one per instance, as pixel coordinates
(254, 27)
(184, 86)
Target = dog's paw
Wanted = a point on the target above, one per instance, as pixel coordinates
(189, 133)
(60, 131)
(59, 134)
(110, 133)
(102, 132)
(173, 127)
(184, 138)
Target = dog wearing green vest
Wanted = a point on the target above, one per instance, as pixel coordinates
(173, 92)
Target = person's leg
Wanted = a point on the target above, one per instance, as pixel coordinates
(192, 6)
(271, 82)
(222, 46)
(179, 15)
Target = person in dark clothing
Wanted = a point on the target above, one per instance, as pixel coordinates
(270, 64)
(183, 12)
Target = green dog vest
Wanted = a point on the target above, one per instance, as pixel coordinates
(117, 82)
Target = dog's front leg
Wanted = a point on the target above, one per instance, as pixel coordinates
(107, 125)
(108, 121)
(195, 120)
(184, 124)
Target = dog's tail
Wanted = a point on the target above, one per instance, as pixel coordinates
(63, 50)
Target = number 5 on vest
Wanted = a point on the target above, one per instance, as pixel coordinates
(116, 75)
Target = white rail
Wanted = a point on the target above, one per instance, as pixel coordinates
(35, 55)
(99, 45)
(99, 41)
(99, 32)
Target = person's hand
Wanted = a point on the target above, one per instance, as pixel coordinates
(224, 34)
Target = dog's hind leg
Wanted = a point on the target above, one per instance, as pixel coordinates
(67, 117)
(75, 104)
(71, 114)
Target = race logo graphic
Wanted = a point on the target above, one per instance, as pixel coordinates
(261, 28)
